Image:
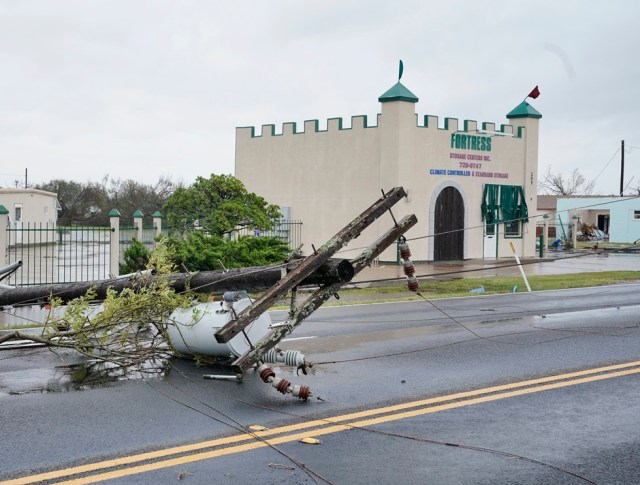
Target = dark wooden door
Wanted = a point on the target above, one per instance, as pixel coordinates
(449, 226)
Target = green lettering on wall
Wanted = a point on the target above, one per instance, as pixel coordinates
(471, 142)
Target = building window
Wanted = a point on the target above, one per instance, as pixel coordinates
(636, 215)
(512, 229)
(18, 212)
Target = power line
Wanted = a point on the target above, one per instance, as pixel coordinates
(606, 165)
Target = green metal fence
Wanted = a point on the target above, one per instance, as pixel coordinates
(54, 254)
(285, 230)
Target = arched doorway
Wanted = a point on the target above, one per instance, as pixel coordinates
(448, 242)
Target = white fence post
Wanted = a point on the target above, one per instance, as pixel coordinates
(4, 225)
(137, 224)
(114, 247)
(157, 224)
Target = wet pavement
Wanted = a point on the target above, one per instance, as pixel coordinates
(561, 262)
(36, 385)
(397, 354)
(553, 263)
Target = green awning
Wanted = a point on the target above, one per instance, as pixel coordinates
(489, 206)
(503, 203)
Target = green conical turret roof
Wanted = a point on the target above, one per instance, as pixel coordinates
(398, 93)
(524, 110)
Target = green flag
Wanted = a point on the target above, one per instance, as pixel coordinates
(400, 69)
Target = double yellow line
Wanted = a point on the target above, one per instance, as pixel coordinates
(204, 450)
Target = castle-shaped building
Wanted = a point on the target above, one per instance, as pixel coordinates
(471, 187)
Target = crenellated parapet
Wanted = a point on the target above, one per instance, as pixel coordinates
(469, 126)
(358, 122)
(362, 122)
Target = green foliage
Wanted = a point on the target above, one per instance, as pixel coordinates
(201, 252)
(255, 251)
(219, 205)
(127, 329)
(136, 257)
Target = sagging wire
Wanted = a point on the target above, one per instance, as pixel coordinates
(482, 449)
(414, 286)
(440, 309)
(236, 426)
(509, 334)
(29, 301)
(584, 331)
(557, 262)
(494, 339)
(410, 272)
(481, 226)
(239, 427)
(484, 268)
(397, 435)
(605, 166)
(61, 293)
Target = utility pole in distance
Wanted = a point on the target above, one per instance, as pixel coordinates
(622, 169)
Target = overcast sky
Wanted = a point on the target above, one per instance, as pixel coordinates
(142, 89)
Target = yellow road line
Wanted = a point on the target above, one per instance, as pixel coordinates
(336, 428)
(468, 398)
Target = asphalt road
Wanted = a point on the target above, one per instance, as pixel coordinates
(520, 388)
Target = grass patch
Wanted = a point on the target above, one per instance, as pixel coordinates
(494, 285)
(603, 245)
(505, 284)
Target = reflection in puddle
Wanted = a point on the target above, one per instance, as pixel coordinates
(78, 376)
(93, 374)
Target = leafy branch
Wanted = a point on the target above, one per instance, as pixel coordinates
(127, 330)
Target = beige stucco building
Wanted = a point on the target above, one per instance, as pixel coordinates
(30, 205)
(468, 184)
(25, 208)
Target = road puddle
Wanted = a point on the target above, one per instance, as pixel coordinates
(76, 376)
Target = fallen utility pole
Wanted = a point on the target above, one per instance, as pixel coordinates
(317, 298)
(251, 338)
(310, 264)
(249, 279)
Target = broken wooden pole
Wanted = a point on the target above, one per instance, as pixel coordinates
(260, 278)
(310, 264)
(249, 279)
(316, 299)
